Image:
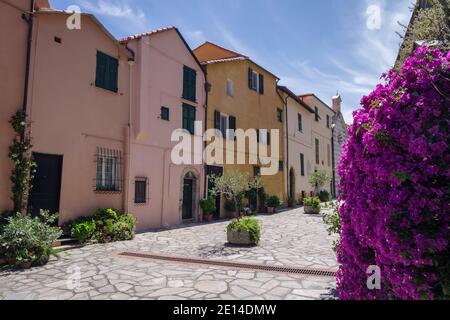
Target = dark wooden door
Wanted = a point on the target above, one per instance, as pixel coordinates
(46, 184)
(187, 199)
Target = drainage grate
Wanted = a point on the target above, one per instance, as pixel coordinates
(231, 264)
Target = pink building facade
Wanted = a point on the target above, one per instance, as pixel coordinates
(168, 95)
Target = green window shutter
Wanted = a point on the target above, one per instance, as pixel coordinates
(261, 84)
(106, 75)
(189, 114)
(189, 83)
(250, 78)
(100, 74)
(232, 125)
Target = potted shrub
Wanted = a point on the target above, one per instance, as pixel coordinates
(230, 208)
(318, 180)
(24, 259)
(312, 205)
(273, 203)
(245, 231)
(208, 206)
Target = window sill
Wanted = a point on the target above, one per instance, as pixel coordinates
(107, 191)
(107, 89)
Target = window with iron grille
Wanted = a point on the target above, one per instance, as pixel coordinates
(108, 177)
(140, 190)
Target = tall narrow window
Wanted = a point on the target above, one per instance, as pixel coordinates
(279, 115)
(108, 176)
(317, 152)
(165, 114)
(302, 164)
(316, 114)
(300, 122)
(189, 84)
(106, 72)
(329, 155)
(281, 166)
(328, 121)
(140, 190)
(189, 118)
(230, 88)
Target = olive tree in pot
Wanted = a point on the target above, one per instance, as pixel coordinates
(208, 206)
(318, 180)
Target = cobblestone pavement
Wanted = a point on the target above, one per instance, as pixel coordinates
(288, 238)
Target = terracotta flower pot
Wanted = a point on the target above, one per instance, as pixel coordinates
(271, 210)
(26, 265)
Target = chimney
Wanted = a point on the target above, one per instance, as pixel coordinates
(337, 100)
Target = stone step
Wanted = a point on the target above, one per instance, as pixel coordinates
(65, 242)
(68, 247)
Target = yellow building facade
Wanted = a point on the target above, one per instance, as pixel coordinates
(243, 95)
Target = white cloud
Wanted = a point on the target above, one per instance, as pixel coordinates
(196, 37)
(116, 9)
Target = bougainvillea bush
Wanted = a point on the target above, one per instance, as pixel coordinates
(395, 185)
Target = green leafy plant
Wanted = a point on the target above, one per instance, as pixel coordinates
(324, 196)
(249, 224)
(208, 205)
(83, 230)
(333, 221)
(273, 202)
(312, 202)
(30, 239)
(24, 167)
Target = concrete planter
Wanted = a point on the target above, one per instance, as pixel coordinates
(312, 210)
(240, 238)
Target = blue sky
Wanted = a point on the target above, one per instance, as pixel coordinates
(320, 46)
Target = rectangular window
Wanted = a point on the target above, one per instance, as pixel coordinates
(328, 121)
(140, 190)
(256, 171)
(302, 164)
(255, 81)
(106, 72)
(300, 122)
(230, 88)
(317, 152)
(189, 84)
(108, 176)
(316, 112)
(329, 155)
(281, 166)
(189, 118)
(165, 113)
(279, 115)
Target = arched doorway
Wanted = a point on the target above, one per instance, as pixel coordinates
(189, 194)
(292, 183)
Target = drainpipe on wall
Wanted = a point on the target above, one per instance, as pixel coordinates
(287, 141)
(29, 20)
(128, 144)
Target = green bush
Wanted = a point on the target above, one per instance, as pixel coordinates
(247, 224)
(29, 239)
(311, 202)
(208, 205)
(273, 202)
(324, 196)
(106, 225)
(333, 221)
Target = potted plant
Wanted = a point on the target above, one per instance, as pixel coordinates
(318, 180)
(324, 196)
(312, 205)
(244, 231)
(273, 203)
(292, 202)
(230, 208)
(24, 259)
(208, 206)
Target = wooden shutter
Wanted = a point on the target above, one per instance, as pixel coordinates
(217, 120)
(261, 84)
(100, 74)
(250, 78)
(113, 66)
(189, 83)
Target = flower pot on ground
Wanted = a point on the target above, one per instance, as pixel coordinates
(245, 231)
(312, 205)
(208, 206)
(273, 203)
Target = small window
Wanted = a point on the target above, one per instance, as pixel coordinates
(302, 164)
(279, 115)
(256, 171)
(165, 114)
(107, 72)
(300, 122)
(108, 176)
(58, 40)
(140, 190)
(316, 111)
(317, 152)
(189, 118)
(281, 166)
(189, 84)
(230, 88)
(255, 80)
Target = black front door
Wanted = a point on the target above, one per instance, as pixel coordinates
(187, 199)
(46, 184)
(216, 171)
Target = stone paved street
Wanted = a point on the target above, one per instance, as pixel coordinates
(288, 238)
